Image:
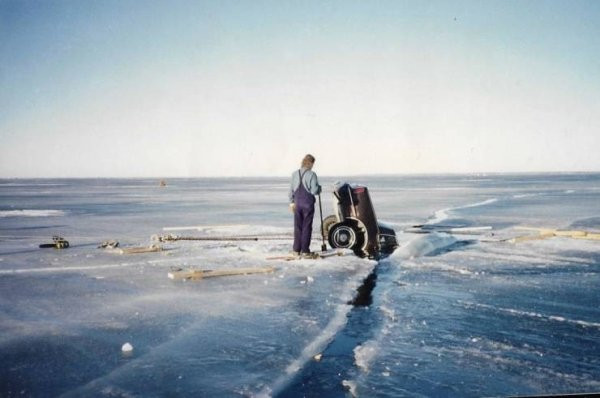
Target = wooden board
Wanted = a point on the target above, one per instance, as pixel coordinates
(195, 274)
(204, 227)
(173, 238)
(544, 233)
(316, 256)
(135, 249)
(589, 236)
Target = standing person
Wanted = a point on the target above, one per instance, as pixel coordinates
(304, 187)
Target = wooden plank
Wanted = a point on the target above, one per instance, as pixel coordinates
(285, 257)
(576, 233)
(174, 238)
(135, 249)
(589, 236)
(195, 274)
(549, 233)
(525, 238)
(569, 234)
(316, 255)
(203, 227)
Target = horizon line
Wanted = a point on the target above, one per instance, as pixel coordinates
(415, 174)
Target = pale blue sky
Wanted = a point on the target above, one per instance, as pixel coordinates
(178, 88)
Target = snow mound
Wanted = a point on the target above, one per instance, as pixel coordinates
(425, 245)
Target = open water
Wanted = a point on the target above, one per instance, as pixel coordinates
(448, 315)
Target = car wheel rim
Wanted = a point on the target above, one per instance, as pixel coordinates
(344, 237)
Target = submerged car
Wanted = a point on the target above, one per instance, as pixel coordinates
(355, 225)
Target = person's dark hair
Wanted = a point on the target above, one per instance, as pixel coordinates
(308, 161)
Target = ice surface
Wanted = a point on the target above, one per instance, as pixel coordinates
(365, 353)
(31, 213)
(452, 315)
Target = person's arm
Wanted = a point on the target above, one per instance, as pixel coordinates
(292, 204)
(292, 188)
(314, 187)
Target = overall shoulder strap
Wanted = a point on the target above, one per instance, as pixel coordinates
(302, 177)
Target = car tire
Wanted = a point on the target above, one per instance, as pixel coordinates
(347, 235)
(328, 222)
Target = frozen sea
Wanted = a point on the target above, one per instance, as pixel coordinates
(447, 315)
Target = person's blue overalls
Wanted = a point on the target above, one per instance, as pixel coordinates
(303, 197)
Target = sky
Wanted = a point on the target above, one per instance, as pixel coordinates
(247, 88)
